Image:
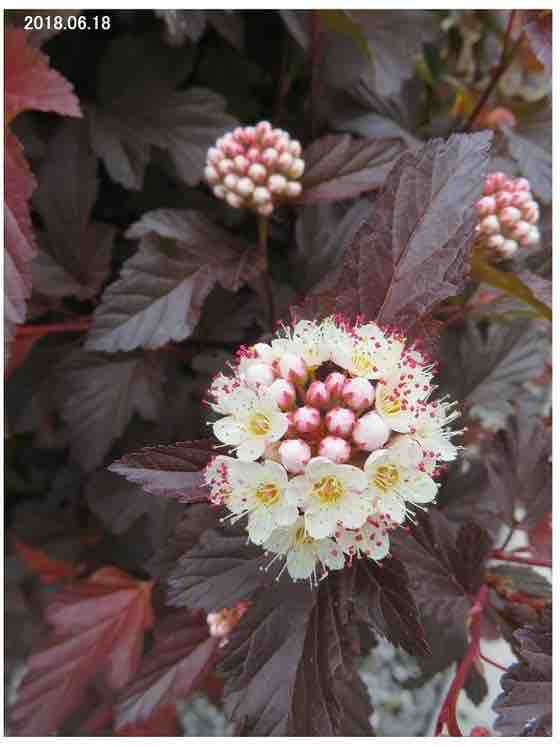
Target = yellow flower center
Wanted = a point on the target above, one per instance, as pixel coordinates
(363, 363)
(302, 538)
(328, 490)
(391, 404)
(267, 494)
(386, 477)
(259, 424)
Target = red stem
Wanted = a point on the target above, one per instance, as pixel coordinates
(38, 330)
(448, 715)
(505, 62)
(488, 660)
(512, 558)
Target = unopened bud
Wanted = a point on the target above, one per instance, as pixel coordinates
(317, 395)
(509, 216)
(509, 248)
(259, 374)
(335, 448)
(296, 169)
(358, 393)
(307, 419)
(277, 184)
(490, 225)
(293, 189)
(371, 432)
(292, 367)
(340, 421)
(284, 394)
(335, 384)
(294, 455)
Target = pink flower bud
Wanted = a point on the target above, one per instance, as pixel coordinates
(336, 449)
(509, 248)
(230, 181)
(293, 189)
(277, 184)
(509, 216)
(486, 205)
(518, 199)
(292, 430)
(262, 129)
(215, 155)
(259, 374)
(317, 396)
(285, 161)
(219, 191)
(340, 421)
(495, 242)
(522, 185)
(261, 195)
(503, 200)
(294, 455)
(296, 169)
(269, 157)
(241, 164)
(358, 393)
(245, 186)
(284, 394)
(335, 384)
(225, 166)
(295, 148)
(371, 432)
(530, 211)
(307, 419)
(257, 173)
(490, 225)
(292, 367)
(494, 182)
(211, 175)
(234, 200)
(520, 231)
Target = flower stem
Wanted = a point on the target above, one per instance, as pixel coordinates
(38, 330)
(447, 716)
(513, 558)
(505, 61)
(262, 226)
(488, 660)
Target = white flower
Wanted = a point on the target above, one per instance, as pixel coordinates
(254, 422)
(303, 553)
(370, 540)
(368, 352)
(394, 478)
(397, 402)
(259, 490)
(330, 494)
(431, 433)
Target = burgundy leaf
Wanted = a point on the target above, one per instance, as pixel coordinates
(181, 658)
(99, 627)
(289, 666)
(525, 707)
(140, 108)
(383, 600)
(537, 25)
(77, 250)
(414, 254)
(169, 471)
(221, 570)
(162, 288)
(100, 395)
(338, 167)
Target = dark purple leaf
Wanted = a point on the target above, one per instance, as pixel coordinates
(414, 254)
(525, 707)
(169, 471)
(182, 656)
(162, 288)
(78, 251)
(530, 144)
(383, 599)
(537, 25)
(338, 167)
(99, 396)
(222, 569)
(139, 107)
(289, 665)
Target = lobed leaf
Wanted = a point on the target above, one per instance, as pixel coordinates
(98, 631)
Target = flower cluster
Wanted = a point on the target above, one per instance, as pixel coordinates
(508, 216)
(335, 437)
(255, 167)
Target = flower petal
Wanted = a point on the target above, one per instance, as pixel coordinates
(228, 431)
